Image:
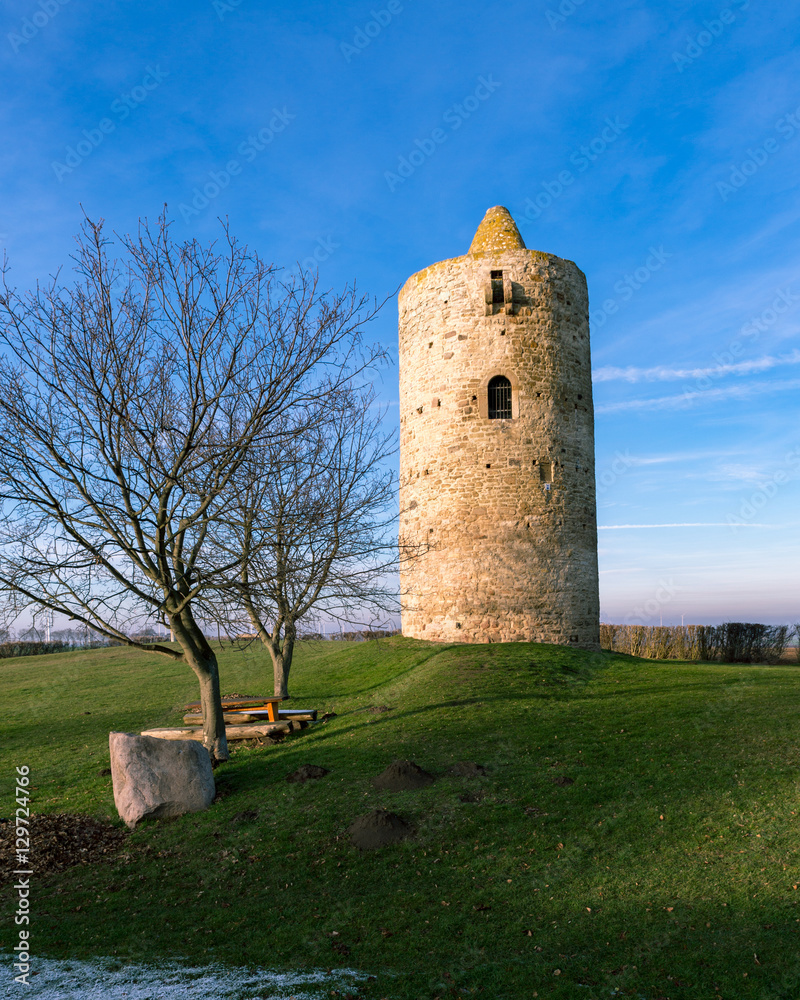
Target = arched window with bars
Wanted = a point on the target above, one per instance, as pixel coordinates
(499, 398)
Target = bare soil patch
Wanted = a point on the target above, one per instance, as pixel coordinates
(403, 776)
(59, 841)
(377, 829)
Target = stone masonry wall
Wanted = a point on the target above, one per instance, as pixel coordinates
(489, 552)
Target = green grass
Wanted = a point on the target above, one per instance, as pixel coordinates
(667, 870)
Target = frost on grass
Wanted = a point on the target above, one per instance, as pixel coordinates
(107, 979)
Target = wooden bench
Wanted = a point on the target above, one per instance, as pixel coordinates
(246, 706)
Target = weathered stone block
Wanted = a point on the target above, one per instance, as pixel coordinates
(159, 778)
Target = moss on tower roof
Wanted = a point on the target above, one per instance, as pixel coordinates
(497, 232)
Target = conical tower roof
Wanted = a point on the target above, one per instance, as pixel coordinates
(496, 233)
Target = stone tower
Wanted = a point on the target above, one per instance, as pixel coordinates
(497, 492)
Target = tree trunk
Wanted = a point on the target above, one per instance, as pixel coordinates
(214, 739)
(281, 654)
(201, 658)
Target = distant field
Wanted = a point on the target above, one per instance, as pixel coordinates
(636, 832)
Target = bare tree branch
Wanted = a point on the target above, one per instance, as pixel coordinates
(315, 526)
(131, 405)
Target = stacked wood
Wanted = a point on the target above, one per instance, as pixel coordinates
(194, 706)
(248, 731)
(236, 718)
(307, 714)
(195, 718)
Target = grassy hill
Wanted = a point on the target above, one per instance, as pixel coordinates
(635, 833)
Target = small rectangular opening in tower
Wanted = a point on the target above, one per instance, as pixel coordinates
(499, 398)
(546, 472)
(497, 287)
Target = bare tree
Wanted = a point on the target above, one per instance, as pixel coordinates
(315, 526)
(129, 403)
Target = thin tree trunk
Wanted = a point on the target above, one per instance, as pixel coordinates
(201, 658)
(282, 653)
(214, 739)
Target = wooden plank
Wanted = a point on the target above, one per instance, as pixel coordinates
(256, 715)
(246, 732)
(308, 714)
(236, 718)
(236, 703)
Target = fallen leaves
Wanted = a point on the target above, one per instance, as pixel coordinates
(60, 841)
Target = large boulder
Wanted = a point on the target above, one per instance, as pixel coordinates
(154, 777)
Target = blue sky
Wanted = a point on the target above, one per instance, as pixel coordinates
(655, 144)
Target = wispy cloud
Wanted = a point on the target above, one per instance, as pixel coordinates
(663, 373)
(686, 399)
(622, 569)
(688, 524)
(679, 456)
(714, 316)
(736, 473)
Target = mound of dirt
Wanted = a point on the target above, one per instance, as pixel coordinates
(306, 772)
(563, 781)
(402, 776)
(59, 841)
(377, 829)
(467, 769)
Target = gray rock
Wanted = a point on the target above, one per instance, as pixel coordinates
(159, 778)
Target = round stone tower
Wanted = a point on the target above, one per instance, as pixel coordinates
(497, 493)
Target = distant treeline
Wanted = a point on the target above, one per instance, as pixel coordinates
(732, 642)
(36, 647)
(361, 636)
